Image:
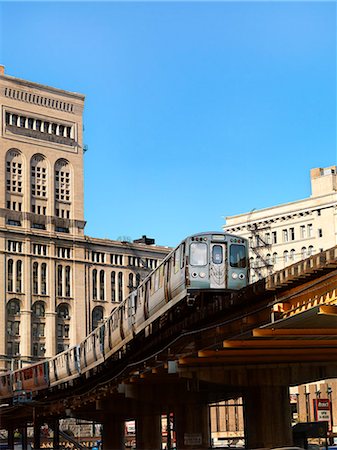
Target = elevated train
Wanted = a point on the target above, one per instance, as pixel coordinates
(205, 262)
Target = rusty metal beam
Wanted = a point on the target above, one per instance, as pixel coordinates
(280, 343)
(287, 332)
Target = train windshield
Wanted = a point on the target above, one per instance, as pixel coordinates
(217, 254)
(198, 254)
(237, 256)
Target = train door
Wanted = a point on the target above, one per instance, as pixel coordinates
(218, 275)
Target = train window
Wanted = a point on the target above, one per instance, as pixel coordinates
(237, 256)
(217, 254)
(198, 254)
(182, 256)
(176, 260)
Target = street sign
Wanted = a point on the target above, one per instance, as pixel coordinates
(322, 411)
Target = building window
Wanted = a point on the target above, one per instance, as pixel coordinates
(303, 252)
(94, 284)
(39, 309)
(310, 250)
(59, 280)
(120, 286)
(285, 256)
(35, 278)
(274, 236)
(98, 257)
(309, 229)
(97, 316)
(39, 177)
(18, 276)
(285, 235)
(43, 278)
(292, 234)
(64, 252)
(63, 311)
(131, 281)
(102, 285)
(303, 232)
(68, 281)
(275, 258)
(14, 246)
(292, 255)
(13, 307)
(14, 172)
(40, 249)
(10, 269)
(113, 286)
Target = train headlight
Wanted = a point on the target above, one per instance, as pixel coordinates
(234, 276)
(202, 274)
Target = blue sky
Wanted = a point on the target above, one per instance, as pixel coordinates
(193, 112)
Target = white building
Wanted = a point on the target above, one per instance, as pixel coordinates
(283, 234)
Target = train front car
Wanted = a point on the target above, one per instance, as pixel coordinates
(217, 261)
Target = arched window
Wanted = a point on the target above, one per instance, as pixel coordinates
(120, 286)
(310, 250)
(131, 277)
(39, 184)
(303, 252)
(59, 280)
(35, 278)
(14, 179)
(10, 268)
(97, 316)
(63, 195)
(94, 284)
(13, 307)
(18, 276)
(292, 255)
(268, 259)
(274, 258)
(113, 286)
(68, 281)
(43, 278)
(285, 256)
(39, 176)
(137, 279)
(101, 285)
(63, 311)
(39, 309)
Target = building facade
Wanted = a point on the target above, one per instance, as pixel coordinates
(286, 233)
(57, 283)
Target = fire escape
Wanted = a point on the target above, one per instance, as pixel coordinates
(260, 243)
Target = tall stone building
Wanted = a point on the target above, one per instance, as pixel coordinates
(286, 233)
(56, 283)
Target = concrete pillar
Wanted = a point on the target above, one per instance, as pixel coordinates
(192, 426)
(113, 434)
(267, 417)
(148, 432)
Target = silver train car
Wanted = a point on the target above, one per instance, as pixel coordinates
(205, 262)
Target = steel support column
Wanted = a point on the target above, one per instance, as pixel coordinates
(148, 432)
(267, 417)
(113, 434)
(192, 425)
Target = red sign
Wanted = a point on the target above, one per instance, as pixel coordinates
(322, 410)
